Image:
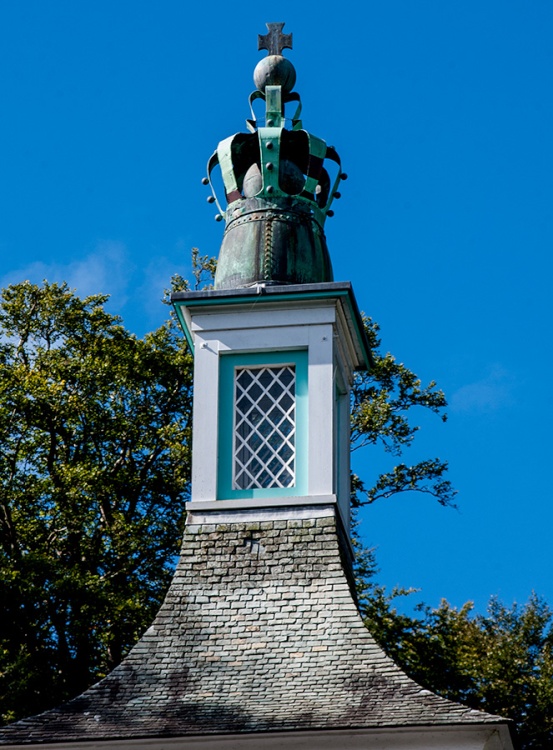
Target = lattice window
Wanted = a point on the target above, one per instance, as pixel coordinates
(264, 427)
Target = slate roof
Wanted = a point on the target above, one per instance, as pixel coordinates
(258, 632)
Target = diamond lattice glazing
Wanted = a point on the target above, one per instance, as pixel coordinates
(265, 427)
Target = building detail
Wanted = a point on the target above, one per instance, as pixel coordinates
(259, 642)
(277, 361)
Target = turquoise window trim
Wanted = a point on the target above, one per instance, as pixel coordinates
(228, 363)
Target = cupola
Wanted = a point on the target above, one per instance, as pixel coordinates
(277, 341)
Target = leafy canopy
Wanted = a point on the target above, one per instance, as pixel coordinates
(94, 465)
(500, 662)
(383, 399)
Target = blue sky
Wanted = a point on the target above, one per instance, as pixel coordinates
(442, 113)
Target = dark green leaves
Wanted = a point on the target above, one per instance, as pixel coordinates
(500, 661)
(94, 468)
(383, 399)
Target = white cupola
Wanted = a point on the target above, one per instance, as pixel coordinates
(273, 369)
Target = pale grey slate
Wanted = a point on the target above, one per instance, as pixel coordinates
(259, 632)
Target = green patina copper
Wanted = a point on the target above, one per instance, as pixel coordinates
(277, 188)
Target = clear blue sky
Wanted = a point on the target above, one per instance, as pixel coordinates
(442, 112)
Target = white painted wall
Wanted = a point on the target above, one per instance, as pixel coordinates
(316, 325)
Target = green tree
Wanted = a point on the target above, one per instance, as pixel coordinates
(383, 400)
(94, 465)
(500, 662)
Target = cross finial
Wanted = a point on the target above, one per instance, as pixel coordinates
(275, 41)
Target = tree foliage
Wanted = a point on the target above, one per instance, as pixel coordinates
(94, 463)
(383, 399)
(500, 662)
